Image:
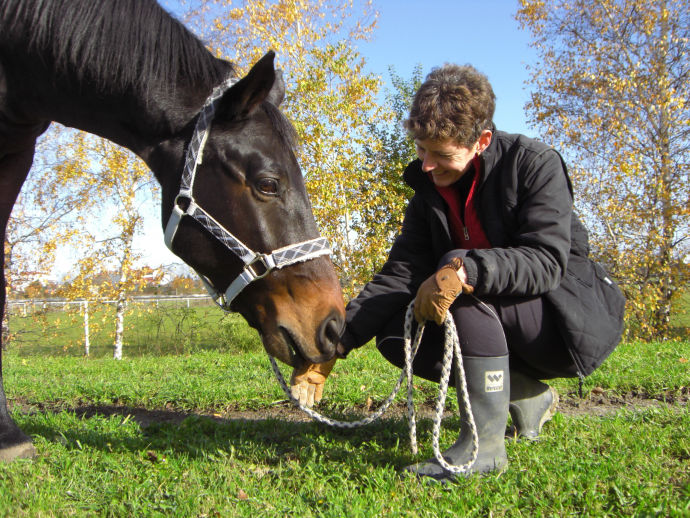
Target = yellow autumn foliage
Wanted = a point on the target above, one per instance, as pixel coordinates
(610, 91)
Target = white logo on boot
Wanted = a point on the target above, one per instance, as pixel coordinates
(493, 381)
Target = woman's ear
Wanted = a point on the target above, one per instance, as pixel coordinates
(484, 140)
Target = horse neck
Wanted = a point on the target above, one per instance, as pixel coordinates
(134, 84)
(129, 120)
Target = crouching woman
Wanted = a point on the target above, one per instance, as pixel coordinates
(490, 236)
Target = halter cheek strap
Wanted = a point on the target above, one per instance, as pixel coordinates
(256, 265)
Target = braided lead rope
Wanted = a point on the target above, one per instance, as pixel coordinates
(346, 424)
(408, 371)
(452, 345)
(452, 339)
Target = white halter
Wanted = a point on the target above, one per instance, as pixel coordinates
(256, 265)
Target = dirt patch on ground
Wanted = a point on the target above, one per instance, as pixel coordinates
(601, 402)
(597, 402)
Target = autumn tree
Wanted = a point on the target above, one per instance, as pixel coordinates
(184, 286)
(610, 90)
(330, 99)
(124, 187)
(55, 196)
(383, 194)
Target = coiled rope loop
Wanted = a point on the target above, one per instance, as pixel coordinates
(451, 346)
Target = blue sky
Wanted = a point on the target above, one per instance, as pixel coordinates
(483, 34)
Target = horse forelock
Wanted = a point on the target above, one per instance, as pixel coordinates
(119, 45)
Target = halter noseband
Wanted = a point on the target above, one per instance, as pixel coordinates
(256, 265)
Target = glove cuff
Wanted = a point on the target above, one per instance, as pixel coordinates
(445, 281)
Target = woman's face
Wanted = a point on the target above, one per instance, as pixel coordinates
(445, 160)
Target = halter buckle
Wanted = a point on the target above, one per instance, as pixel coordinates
(265, 263)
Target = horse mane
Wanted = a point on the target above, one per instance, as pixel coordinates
(118, 45)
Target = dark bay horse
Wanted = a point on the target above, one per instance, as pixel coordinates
(127, 71)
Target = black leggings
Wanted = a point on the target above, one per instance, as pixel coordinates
(488, 326)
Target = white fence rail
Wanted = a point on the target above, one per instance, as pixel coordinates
(30, 306)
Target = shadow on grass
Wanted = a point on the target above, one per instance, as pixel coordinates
(262, 437)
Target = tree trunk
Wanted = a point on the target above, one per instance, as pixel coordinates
(119, 326)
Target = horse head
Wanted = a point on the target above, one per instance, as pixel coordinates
(252, 235)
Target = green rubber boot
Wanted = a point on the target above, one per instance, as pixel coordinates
(488, 382)
(532, 403)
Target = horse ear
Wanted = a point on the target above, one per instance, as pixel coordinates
(250, 91)
(277, 93)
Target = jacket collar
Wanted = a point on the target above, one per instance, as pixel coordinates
(490, 155)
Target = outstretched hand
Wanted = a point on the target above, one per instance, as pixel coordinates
(307, 382)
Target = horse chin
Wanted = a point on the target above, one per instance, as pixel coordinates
(285, 351)
(285, 347)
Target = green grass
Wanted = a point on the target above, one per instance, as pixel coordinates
(633, 462)
(149, 329)
(109, 466)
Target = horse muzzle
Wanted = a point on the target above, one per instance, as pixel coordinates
(297, 351)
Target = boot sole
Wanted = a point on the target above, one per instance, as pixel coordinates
(551, 411)
(498, 465)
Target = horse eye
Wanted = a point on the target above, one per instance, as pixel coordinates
(268, 186)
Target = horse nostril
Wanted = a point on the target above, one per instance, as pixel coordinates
(329, 334)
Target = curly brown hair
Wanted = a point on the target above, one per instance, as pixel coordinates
(454, 102)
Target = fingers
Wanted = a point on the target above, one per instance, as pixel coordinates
(419, 310)
(429, 309)
(306, 393)
(307, 382)
(318, 392)
(298, 393)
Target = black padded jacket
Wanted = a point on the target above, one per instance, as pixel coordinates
(538, 247)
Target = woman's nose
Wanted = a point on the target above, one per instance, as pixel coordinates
(428, 164)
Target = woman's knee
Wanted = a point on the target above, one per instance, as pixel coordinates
(427, 362)
(480, 330)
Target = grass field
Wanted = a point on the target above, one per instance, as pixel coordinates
(207, 433)
(149, 330)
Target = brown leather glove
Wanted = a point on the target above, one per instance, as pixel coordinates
(436, 294)
(306, 382)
